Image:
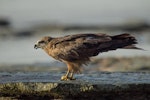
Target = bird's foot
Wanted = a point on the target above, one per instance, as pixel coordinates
(71, 78)
(66, 78)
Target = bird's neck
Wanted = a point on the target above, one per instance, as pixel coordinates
(46, 49)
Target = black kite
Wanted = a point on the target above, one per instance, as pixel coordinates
(76, 50)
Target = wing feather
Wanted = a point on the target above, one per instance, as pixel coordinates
(80, 46)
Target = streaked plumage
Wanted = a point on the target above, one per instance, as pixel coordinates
(76, 50)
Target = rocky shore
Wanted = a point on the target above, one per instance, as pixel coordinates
(104, 86)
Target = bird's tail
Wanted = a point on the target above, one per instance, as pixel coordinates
(126, 41)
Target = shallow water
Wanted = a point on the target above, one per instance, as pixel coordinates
(20, 50)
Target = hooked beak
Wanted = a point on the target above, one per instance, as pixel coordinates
(36, 46)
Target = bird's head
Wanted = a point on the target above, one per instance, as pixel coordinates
(43, 42)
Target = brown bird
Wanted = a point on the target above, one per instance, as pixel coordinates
(76, 50)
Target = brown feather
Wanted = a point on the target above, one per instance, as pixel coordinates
(76, 50)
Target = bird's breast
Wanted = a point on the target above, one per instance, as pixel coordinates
(53, 52)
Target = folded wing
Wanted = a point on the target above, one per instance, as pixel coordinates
(80, 46)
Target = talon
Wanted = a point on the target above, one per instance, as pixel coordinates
(68, 76)
(64, 78)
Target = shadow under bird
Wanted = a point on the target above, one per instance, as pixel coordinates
(76, 50)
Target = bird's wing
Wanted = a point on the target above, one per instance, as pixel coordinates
(80, 46)
(81, 36)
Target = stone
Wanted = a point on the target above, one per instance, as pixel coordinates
(102, 85)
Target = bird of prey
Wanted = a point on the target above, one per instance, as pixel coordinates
(76, 50)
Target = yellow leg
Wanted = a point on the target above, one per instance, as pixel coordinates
(71, 76)
(67, 73)
(65, 77)
(70, 68)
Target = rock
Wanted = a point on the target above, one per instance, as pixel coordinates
(104, 86)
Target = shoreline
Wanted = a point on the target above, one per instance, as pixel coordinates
(110, 64)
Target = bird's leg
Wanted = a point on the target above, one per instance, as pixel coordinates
(67, 73)
(65, 77)
(71, 76)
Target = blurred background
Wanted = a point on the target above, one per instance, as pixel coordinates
(23, 22)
